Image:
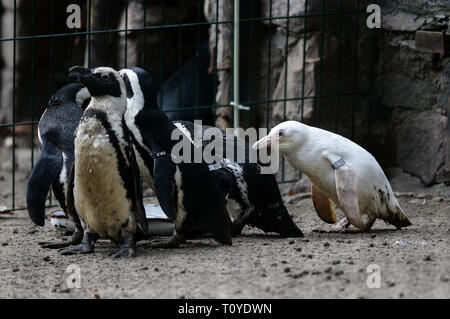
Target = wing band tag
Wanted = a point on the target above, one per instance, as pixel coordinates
(338, 164)
(215, 166)
(226, 163)
(158, 154)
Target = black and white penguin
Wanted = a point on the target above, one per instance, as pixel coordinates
(56, 137)
(104, 187)
(252, 198)
(186, 192)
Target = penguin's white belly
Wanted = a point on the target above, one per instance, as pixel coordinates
(64, 174)
(145, 172)
(319, 173)
(181, 211)
(375, 194)
(237, 212)
(234, 210)
(99, 193)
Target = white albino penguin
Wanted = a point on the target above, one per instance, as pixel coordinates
(340, 171)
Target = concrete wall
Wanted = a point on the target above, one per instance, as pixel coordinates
(403, 122)
(413, 88)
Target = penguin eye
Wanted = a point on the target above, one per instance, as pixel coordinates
(105, 76)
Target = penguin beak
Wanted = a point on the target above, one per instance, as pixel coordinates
(79, 73)
(266, 141)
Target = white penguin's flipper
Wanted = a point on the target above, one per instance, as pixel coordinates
(346, 181)
(323, 205)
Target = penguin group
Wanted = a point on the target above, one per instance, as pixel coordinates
(103, 137)
(117, 138)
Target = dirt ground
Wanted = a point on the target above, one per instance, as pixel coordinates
(413, 263)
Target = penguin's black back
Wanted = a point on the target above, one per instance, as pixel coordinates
(57, 133)
(61, 118)
(269, 212)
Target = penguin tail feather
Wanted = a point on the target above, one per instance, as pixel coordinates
(270, 214)
(224, 239)
(286, 226)
(223, 229)
(276, 218)
(397, 217)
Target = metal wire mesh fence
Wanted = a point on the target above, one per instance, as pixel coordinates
(160, 36)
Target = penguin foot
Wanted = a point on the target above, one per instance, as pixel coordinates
(124, 252)
(340, 227)
(128, 249)
(353, 231)
(86, 246)
(77, 237)
(174, 242)
(343, 226)
(57, 245)
(365, 229)
(77, 249)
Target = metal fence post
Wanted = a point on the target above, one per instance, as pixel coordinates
(236, 67)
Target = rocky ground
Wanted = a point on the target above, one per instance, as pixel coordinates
(413, 263)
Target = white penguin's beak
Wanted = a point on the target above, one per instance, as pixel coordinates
(266, 141)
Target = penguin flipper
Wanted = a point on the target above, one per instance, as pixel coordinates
(139, 199)
(42, 176)
(346, 181)
(323, 205)
(164, 170)
(138, 193)
(71, 211)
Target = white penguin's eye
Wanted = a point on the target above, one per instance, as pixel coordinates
(105, 76)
